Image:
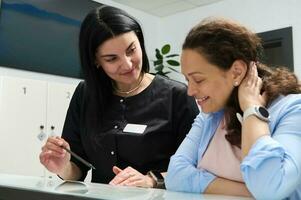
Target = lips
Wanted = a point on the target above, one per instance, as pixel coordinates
(200, 101)
(128, 72)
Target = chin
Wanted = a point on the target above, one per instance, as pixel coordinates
(206, 111)
(209, 110)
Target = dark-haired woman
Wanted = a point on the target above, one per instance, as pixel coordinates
(122, 119)
(247, 140)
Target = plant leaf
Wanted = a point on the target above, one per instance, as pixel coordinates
(173, 69)
(172, 55)
(158, 54)
(165, 49)
(173, 62)
(158, 62)
(159, 67)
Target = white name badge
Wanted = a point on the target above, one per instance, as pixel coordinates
(134, 128)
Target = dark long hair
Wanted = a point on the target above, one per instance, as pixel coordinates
(222, 42)
(99, 25)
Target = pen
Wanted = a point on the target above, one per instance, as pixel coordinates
(79, 158)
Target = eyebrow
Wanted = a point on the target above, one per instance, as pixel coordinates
(110, 55)
(192, 73)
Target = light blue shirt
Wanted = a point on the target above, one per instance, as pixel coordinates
(272, 168)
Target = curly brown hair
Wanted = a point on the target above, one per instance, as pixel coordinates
(222, 42)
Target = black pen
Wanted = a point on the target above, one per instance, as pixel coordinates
(79, 158)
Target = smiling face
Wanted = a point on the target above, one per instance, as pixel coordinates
(121, 59)
(208, 84)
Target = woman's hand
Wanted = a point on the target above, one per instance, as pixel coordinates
(249, 90)
(131, 177)
(53, 157)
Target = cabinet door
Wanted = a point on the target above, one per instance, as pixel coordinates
(59, 96)
(22, 112)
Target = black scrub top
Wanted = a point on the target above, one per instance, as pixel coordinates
(163, 107)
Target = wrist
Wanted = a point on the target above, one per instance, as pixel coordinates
(246, 106)
(157, 178)
(150, 181)
(65, 170)
(255, 110)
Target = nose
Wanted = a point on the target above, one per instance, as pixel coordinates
(192, 89)
(127, 63)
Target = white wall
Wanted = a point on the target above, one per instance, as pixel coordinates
(258, 15)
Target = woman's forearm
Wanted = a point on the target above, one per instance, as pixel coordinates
(71, 172)
(252, 129)
(227, 187)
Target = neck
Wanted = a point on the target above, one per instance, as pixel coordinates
(131, 90)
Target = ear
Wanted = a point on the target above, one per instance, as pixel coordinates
(238, 71)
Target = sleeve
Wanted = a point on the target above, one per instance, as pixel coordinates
(272, 169)
(71, 131)
(184, 111)
(183, 174)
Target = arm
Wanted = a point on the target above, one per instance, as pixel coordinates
(227, 187)
(272, 168)
(70, 172)
(252, 129)
(75, 170)
(183, 174)
(184, 111)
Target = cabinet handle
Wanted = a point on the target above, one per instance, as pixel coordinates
(24, 90)
(52, 131)
(42, 136)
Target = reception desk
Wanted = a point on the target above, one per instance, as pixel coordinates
(38, 188)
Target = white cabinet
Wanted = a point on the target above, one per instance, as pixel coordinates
(58, 99)
(25, 105)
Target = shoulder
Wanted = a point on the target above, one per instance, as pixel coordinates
(286, 102)
(167, 82)
(285, 107)
(81, 86)
(161, 82)
(79, 92)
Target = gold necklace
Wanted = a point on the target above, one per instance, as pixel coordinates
(130, 91)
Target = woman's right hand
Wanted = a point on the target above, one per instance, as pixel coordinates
(53, 156)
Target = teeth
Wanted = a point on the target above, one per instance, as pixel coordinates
(202, 99)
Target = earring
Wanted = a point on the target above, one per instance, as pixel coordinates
(236, 83)
(97, 66)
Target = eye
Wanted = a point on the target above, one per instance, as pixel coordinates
(111, 59)
(199, 81)
(131, 50)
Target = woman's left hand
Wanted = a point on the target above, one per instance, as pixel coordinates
(249, 90)
(131, 177)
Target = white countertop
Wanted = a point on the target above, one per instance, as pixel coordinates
(59, 188)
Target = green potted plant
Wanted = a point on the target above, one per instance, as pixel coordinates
(165, 61)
